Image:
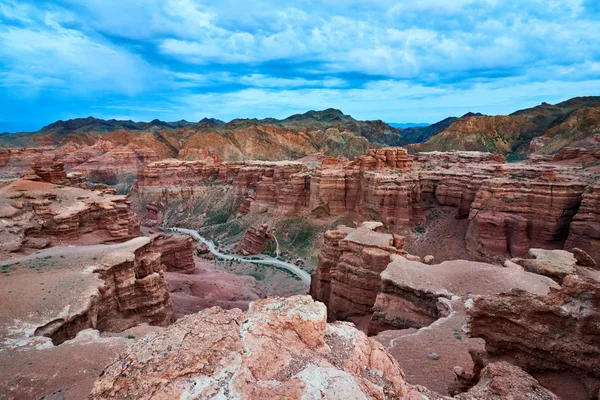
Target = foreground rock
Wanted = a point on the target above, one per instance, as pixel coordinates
(279, 349)
(282, 348)
(555, 337)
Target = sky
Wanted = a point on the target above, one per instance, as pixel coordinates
(399, 61)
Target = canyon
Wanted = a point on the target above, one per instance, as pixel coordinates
(510, 207)
(333, 265)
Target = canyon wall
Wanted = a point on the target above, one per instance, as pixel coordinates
(510, 207)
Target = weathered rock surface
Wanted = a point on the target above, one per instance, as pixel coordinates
(255, 241)
(37, 212)
(553, 263)
(347, 278)
(65, 290)
(280, 348)
(414, 295)
(176, 253)
(512, 207)
(584, 231)
(502, 380)
(509, 217)
(543, 333)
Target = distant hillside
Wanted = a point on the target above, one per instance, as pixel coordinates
(329, 131)
(544, 129)
(418, 134)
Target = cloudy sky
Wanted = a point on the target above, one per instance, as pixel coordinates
(400, 61)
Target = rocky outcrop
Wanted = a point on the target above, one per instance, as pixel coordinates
(502, 380)
(584, 231)
(176, 253)
(109, 288)
(347, 278)
(50, 171)
(39, 214)
(555, 264)
(541, 333)
(414, 295)
(280, 348)
(255, 241)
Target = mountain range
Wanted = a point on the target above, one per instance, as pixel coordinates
(544, 129)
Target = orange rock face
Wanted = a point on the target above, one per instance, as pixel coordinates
(255, 241)
(584, 231)
(347, 278)
(509, 217)
(176, 253)
(511, 206)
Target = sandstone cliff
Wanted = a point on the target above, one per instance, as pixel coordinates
(65, 290)
(543, 333)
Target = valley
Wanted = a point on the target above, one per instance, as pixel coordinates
(256, 255)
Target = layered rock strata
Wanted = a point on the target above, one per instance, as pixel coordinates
(414, 294)
(543, 333)
(584, 230)
(347, 278)
(508, 217)
(255, 241)
(176, 253)
(511, 207)
(65, 290)
(39, 214)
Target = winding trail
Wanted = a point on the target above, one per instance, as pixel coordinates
(300, 273)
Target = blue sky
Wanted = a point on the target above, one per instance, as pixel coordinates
(400, 61)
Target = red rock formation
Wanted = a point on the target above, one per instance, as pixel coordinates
(502, 380)
(255, 241)
(50, 171)
(280, 349)
(116, 163)
(584, 231)
(347, 278)
(512, 207)
(176, 253)
(556, 332)
(414, 295)
(133, 291)
(38, 214)
(509, 217)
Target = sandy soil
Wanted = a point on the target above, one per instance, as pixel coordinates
(416, 350)
(444, 237)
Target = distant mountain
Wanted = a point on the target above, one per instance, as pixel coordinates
(329, 131)
(420, 134)
(544, 129)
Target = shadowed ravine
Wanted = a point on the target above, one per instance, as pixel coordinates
(303, 275)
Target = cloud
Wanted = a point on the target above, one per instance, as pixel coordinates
(381, 57)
